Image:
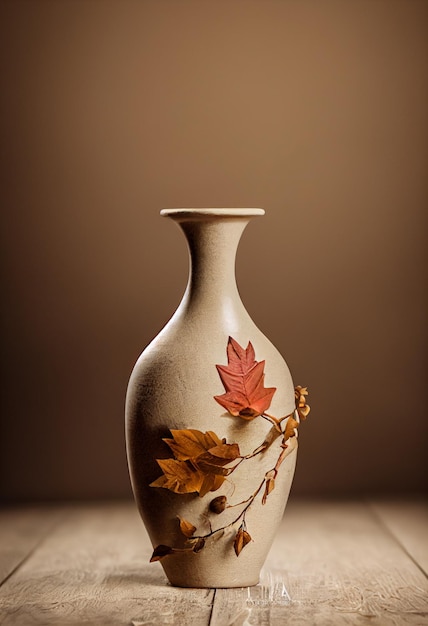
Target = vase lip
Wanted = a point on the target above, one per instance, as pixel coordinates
(186, 213)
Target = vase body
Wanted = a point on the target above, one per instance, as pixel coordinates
(172, 387)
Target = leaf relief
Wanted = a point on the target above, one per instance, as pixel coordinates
(242, 538)
(160, 551)
(243, 380)
(186, 527)
(199, 463)
(302, 408)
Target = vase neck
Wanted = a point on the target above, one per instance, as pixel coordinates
(212, 237)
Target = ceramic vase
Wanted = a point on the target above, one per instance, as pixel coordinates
(202, 402)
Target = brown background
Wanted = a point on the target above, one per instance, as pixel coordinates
(314, 110)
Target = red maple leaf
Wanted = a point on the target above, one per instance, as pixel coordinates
(243, 379)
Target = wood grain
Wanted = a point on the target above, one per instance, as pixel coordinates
(338, 566)
(94, 569)
(331, 564)
(408, 522)
(21, 531)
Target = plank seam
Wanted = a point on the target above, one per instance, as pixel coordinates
(42, 539)
(391, 533)
(212, 608)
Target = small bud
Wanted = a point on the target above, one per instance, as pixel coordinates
(199, 545)
(218, 504)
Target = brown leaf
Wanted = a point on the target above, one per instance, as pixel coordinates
(270, 484)
(179, 476)
(287, 449)
(290, 428)
(199, 463)
(243, 380)
(190, 443)
(215, 458)
(182, 477)
(186, 527)
(199, 545)
(241, 539)
(217, 505)
(160, 551)
(300, 399)
(211, 482)
(210, 468)
(224, 453)
(271, 436)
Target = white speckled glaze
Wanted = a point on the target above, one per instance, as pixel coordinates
(172, 387)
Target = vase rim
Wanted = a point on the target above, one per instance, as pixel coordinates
(207, 212)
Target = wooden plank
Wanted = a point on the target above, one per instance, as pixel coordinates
(253, 605)
(21, 530)
(331, 563)
(94, 569)
(408, 522)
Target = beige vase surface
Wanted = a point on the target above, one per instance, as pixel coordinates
(173, 387)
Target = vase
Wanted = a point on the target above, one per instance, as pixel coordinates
(210, 418)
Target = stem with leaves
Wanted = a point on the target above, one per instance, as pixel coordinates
(197, 542)
(203, 460)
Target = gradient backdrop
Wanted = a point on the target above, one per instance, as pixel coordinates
(316, 110)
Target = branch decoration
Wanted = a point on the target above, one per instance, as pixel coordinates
(203, 461)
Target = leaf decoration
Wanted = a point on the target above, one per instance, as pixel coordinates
(199, 464)
(269, 484)
(202, 461)
(290, 428)
(160, 551)
(189, 443)
(241, 539)
(199, 545)
(186, 527)
(180, 477)
(301, 406)
(243, 380)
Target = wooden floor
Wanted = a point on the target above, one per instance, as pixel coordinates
(331, 563)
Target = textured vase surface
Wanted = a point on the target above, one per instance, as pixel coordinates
(173, 387)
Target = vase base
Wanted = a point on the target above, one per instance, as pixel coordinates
(214, 584)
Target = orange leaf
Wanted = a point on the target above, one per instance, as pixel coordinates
(290, 428)
(241, 539)
(225, 452)
(179, 476)
(301, 406)
(190, 443)
(186, 527)
(220, 455)
(199, 463)
(211, 482)
(243, 380)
